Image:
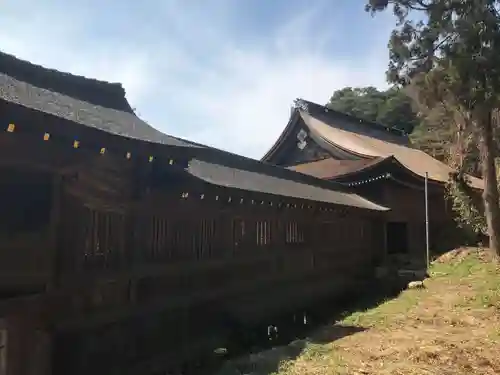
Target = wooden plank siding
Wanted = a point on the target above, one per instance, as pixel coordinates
(120, 248)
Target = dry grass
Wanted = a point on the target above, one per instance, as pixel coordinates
(450, 327)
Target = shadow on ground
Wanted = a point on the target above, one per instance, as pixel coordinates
(268, 361)
(334, 332)
(266, 356)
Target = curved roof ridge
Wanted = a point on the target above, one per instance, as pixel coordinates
(375, 125)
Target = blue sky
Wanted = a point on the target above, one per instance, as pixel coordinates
(218, 72)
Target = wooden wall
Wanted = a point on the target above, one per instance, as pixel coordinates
(408, 205)
(121, 247)
(195, 245)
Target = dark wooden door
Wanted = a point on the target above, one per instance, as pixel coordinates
(397, 237)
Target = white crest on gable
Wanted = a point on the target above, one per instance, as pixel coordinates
(302, 135)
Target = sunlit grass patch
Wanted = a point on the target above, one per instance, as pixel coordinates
(450, 327)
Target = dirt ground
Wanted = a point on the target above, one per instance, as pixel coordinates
(452, 326)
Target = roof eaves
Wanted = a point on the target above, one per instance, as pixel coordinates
(331, 168)
(294, 117)
(376, 162)
(242, 179)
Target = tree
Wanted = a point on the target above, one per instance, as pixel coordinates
(452, 56)
(434, 134)
(392, 108)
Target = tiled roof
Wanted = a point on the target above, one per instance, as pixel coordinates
(104, 94)
(241, 179)
(413, 159)
(120, 121)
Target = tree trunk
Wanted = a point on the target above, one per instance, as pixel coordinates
(490, 193)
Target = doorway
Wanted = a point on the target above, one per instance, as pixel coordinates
(397, 237)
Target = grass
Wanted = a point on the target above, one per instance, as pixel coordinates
(450, 327)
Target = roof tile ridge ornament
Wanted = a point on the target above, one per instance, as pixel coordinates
(300, 104)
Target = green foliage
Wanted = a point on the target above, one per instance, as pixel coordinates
(435, 133)
(468, 213)
(449, 51)
(458, 40)
(392, 108)
(453, 52)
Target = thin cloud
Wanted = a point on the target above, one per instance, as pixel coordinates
(188, 74)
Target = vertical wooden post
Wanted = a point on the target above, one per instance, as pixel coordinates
(131, 221)
(427, 252)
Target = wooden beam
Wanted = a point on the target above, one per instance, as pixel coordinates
(24, 150)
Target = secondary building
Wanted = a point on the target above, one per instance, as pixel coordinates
(378, 163)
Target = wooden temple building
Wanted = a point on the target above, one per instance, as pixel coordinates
(378, 163)
(125, 251)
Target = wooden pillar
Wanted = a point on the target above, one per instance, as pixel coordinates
(138, 186)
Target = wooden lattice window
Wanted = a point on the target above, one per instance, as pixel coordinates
(204, 239)
(263, 232)
(158, 239)
(300, 233)
(184, 241)
(239, 233)
(291, 233)
(104, 236)
(294, 233)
